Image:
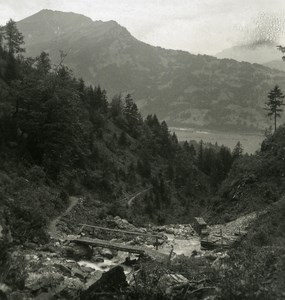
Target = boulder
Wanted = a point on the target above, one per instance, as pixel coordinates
(71, 289)
(161, 228)
(169, 230)
(94, 278)
(86, 269)
(105, 252)
(63, 269)
(97, 259)
(167, 282)
(112, 281)
(38, 281)
(4, 288)
(123, 224)
(78, 273)
(77, 252)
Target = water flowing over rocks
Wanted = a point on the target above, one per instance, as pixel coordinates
(67, 270)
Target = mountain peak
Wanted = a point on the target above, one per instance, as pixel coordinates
(49, 25)
(54, 14)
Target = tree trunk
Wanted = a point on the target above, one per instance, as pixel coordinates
(275, 121)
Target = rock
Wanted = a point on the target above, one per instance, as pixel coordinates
(94, 278)
(160, 241)
(49, 248)
(97, 259)
(30, 245)
(105, 252)
(64, 270)
(4, 288)
(137, 240)
(44, 296)
(114, 252)
(112, 281)
(142, 230)
(169, 230)
(131, 278)
(211, 256)
(16, 296)
(78, 273)
(86, 269)
(71, 289)
(161, 228)
(220, 262)
(36, 282)
(168, 281)
(77, 252)
(123, 224)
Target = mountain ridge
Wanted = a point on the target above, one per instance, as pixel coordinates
(184, 89)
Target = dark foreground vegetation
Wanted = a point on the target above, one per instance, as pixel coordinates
(59, 137)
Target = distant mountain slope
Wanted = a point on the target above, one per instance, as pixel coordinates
(260, 53)
(184, 89)
(276, 64)
(266, 55)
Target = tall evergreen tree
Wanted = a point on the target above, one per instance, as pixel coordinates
(132, 115)
(14, 39)
(237, 151)
(274, 103)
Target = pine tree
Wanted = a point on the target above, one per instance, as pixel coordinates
(132, 115)
(43, 63)
(116, 106)
(238, 150)
(14, 39)
(275, 101)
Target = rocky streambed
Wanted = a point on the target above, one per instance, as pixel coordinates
(64, 270)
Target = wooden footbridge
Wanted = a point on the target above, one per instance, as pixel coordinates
(93, 242)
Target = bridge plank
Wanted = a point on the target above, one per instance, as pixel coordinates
(107, 244)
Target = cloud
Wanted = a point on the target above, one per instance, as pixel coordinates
(265, 29)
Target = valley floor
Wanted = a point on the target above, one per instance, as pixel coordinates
(250, 141)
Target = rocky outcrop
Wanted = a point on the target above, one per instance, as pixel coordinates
(112, 281)
(124, 224)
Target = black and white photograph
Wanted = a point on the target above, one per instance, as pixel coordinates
(142, 149)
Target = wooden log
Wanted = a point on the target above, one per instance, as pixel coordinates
(122, 231)
(105, 244)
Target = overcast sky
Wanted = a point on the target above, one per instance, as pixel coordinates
(198, 26)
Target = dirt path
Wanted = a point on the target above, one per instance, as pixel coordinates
(133, 198)
(52, 229)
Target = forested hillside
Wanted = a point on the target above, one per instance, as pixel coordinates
(254, 181)
(60, 137)
(183, 89)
